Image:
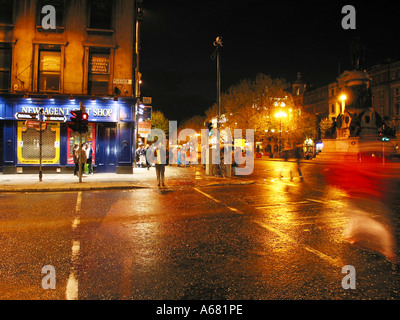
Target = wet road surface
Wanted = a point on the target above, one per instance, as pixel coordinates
(275, 238)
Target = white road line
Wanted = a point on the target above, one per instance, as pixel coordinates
(216, 200)
(72, 284)
(332, 261)
(284, 236)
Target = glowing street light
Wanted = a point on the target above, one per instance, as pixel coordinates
(343, 98)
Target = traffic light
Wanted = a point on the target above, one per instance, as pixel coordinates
(76, 116)
(83, 127)
(79, 120)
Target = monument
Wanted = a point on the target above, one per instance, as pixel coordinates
(358, 132)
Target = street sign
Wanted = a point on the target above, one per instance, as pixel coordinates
(35, 116)
(26, 116)
(144, 127)
(56, 118)
(122, 81)
(35, 125)
(146, 100)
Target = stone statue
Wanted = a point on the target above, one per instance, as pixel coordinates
(357, 53)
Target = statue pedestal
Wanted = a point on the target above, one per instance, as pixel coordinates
(340, 149)
(350, 149)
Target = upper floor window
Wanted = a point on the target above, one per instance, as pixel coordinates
(6, 11)
(5, 67)
(100, 14)
(49, 70)
(99, 71)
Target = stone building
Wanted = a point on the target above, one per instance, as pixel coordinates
(88, 56)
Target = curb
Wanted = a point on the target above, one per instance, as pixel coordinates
(66, 189)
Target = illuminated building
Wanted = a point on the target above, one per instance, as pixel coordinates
(88, 57)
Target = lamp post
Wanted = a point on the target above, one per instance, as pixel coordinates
(218, 44)
(138, 111)
(280, 115)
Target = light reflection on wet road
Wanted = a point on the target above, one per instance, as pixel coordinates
(272, 239)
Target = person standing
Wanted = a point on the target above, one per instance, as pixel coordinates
(147, 160)
(76, 161)
(159, 155)
(89, 155)
(81, 152)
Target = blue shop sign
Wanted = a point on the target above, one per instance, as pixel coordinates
(113, 112)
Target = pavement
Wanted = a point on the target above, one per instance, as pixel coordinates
(140, 178)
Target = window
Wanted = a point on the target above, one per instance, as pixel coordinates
(5, 66)
(397, 109)
(59, 5)
(49, 70)
(333, 108)
(100, 16)
(99, 71)
(6, 11)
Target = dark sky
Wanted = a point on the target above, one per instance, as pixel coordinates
(277, 38)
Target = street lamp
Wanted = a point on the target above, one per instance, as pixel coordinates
(343, 98)
(280, 115)
(218, 44)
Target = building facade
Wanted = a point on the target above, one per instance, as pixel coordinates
(88, 57)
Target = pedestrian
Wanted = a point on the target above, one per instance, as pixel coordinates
(89, 156)
(159, 155)
(76, 161)
(82, 154)
(178, 160)
(142, 157)
(145, 153)
(137, 155)
(297, 155)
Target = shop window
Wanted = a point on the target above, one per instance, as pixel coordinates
(99, 72)
(49, 71)
(28, 149)
(5, 67)
(73, 138)
(6, 11)
(100, 14)
(59, 5)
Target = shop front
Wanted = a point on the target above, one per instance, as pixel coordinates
(111, 134)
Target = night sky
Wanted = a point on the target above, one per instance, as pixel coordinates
(277, 38)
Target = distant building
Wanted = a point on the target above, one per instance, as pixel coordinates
(89, 57)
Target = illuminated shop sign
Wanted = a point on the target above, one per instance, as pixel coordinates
(96, 113)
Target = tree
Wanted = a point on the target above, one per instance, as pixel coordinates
(160, 122)
(196, 123)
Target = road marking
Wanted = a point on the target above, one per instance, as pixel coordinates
(218, 201)
(72, 284)
(334, 262)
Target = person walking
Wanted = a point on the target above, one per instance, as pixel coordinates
(76, 161)
(297, 155)
(89, 155)
(159, 155)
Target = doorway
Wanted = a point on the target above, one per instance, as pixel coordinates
(106, 158)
